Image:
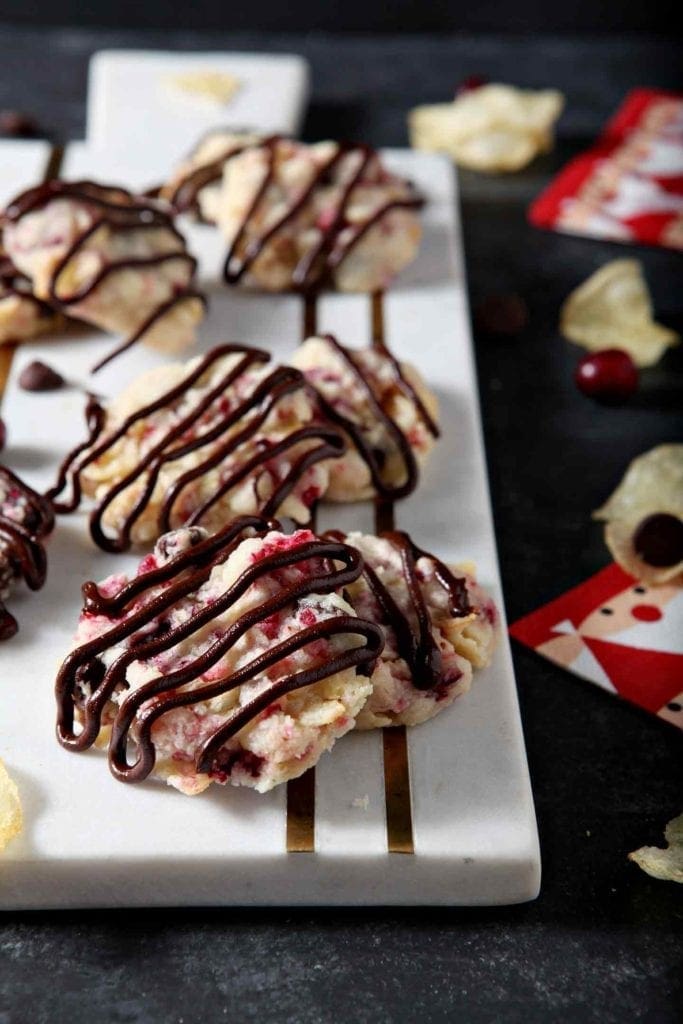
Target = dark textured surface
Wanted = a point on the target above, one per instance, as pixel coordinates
(603, 942)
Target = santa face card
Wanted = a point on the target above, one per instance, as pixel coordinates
(629, 187)
(621, 634)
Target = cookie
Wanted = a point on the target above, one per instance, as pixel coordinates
(105, 256)
(438, 626)
(385, 410)
(198, 443)
(232, 659)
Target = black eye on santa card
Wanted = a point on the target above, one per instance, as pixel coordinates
(606, 611)
(640, 590)
(674, 706)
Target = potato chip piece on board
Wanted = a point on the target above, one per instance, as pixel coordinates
(613, 309)
(216, 86)
(666, 863)
(495, 128)
(650, 494)
(11, 817)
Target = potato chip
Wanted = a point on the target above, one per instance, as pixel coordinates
(215, 86)
(613, 309)
(652, 486)
(11, 817)
(666, 863)
(495, 128)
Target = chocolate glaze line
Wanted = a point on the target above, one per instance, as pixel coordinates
(414, 639)
(330, 250)
(136, 215)
(142, 707)
(385, 492)
(22, 555)
(255, 409)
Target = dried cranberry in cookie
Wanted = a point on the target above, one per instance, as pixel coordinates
(199, 443)
(108, 257)
(25, 519)
(297, 217)
(228, 658)
(384, 408)
(437, 622)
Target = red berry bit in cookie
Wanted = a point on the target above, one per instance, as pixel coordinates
(25, 519)
(227, 658)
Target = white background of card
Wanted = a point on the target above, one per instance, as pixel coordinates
(90, 840)
(133, 108)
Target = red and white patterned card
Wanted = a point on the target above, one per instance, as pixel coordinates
(629, 186)
(619, 633)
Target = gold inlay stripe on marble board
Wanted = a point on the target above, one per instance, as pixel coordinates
(301, 791)
(397, 798)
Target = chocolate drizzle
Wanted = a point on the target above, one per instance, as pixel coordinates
(314, 268)
(374, 458)
(22, 555)
(140, 608)
(225, 437)
(414, 639)
(119, 211)
(336, 240)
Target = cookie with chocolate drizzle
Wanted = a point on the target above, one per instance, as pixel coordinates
(102, 255)
(26, 519)
(198, 443)
(385, 409)
(227, 658)
(301, 217)
(438, 625)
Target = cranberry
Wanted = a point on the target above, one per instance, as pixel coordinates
(3, 434)
(471, 83)
(504, 314)
(15, 124)
(608, 376)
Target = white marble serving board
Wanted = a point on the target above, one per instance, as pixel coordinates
(133, 105)
(92, 841)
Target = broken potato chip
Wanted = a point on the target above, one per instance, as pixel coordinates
(216, 86)
(495, 128)
(613, 309)
(11, 817)
(666, 863)
(644, 517)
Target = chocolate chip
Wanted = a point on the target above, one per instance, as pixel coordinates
(15, 124)
(8, 624)
(504, 315)
(658, 540)
(3, 434)
(38, 376)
